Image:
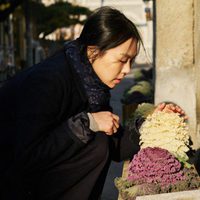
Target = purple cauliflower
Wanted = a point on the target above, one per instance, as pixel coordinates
(155, 171)
(155, 165)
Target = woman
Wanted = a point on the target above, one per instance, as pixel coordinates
(58, 133)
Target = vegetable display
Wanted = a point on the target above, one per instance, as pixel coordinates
(155, 171)
(161, 164)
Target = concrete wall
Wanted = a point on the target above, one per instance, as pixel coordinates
(197, 61)
(177, 59)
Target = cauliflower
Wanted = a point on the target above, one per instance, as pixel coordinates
(155, 171)
(155, 165)
(167, 131)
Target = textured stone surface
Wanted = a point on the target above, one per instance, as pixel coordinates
(185, 195)
(174, 33)
(175, 58)
(197, 61)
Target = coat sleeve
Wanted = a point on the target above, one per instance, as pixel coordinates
(41, 139)
(124, 144)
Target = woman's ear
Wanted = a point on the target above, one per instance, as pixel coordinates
(92, 53)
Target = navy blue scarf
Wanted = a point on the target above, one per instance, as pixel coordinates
(97, 92)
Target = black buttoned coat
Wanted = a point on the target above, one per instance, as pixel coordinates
(40, 156)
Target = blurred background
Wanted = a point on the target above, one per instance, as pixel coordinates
(30, 30)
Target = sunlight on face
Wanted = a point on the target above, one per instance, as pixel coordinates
(115, 63)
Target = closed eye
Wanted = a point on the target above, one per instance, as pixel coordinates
(123, 61)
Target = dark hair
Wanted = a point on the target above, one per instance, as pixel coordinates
(107, 28)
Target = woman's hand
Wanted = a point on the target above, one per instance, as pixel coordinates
(171, 108)
(107, 122)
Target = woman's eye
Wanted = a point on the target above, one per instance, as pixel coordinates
(123, 61)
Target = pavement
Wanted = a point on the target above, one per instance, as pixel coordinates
(115, 170)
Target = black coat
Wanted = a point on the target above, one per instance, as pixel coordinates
(41, 157)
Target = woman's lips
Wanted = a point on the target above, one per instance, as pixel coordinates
(117, 80)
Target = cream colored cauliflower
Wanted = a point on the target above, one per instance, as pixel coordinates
(167, 131)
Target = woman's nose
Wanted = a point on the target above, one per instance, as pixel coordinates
(127, 68)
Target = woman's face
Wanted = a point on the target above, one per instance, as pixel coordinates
(113, 65)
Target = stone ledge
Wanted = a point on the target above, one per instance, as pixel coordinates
(185, 195)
